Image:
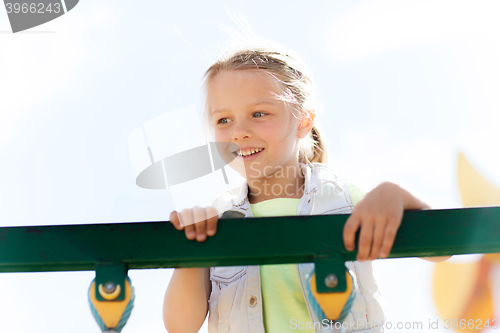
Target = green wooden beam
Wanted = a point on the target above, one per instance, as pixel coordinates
(252, 241)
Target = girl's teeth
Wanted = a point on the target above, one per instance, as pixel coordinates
(248, 152)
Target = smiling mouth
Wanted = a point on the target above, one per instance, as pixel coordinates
(247, 152)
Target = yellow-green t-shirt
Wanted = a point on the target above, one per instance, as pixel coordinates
(284, 307)
(282, 299)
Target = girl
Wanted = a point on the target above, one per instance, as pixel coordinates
(262, 100)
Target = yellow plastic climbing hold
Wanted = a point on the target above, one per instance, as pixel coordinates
(110, 311)
(332, 304)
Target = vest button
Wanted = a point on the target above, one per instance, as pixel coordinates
(253, 301)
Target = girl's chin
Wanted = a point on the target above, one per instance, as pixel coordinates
(250, 177)
(248, 172)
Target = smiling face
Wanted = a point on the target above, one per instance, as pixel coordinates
(245, 111)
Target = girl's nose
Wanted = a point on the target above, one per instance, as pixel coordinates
(241, 132)
(240, 137)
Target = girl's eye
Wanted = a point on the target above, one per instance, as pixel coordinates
(223, 121)
(259, 114)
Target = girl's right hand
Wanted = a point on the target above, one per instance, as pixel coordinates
(196, 222)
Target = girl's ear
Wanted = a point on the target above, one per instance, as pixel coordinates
(306, 124)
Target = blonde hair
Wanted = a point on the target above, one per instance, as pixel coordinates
(297, 86)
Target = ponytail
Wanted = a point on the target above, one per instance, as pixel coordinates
(315, 151)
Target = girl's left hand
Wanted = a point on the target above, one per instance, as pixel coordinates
(379, 216)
